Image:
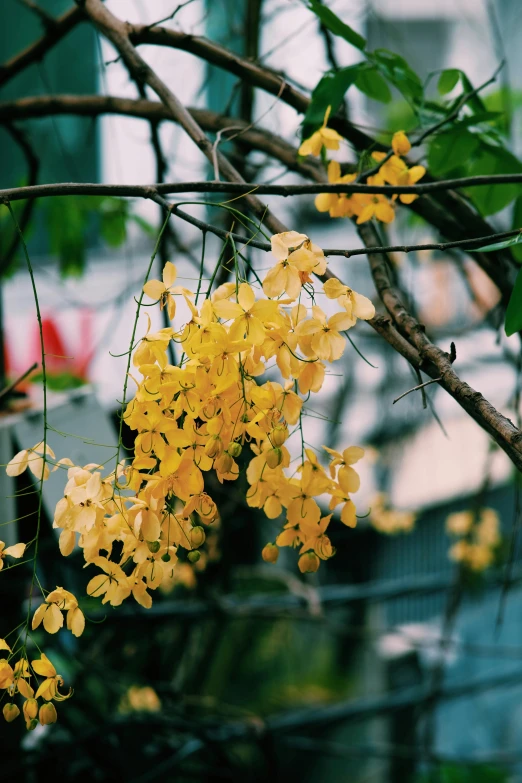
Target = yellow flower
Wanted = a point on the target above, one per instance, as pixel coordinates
(140, 699)
(10, 712)
(324, 137)
(326, 341)
(33, 459)
(460, 523)
(283, 244)
(356, 305)
(294, 267)
(394, 171)
(347, 477)
(30, 709)
(337, 204)
(308, 563)
(49, 688)
(315, 538)
(400, 143)
(50, 613)
(379, 207)
(113, 584)
(388, 520)
(270, 553)
(247, 315)
(47, 714)
(16, 550)
(6, 674)
(163, 291)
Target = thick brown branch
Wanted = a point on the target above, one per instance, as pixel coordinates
(430, 357)
(451, 216)
(33, 165)
(36, 51)
(96, 105)
(161, 188)
(118, 33)
(436, 362)
(450, 221)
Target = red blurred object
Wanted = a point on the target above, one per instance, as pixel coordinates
(59, 357)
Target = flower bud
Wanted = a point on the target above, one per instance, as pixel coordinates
(197, 536)
(154, 546)
(194, 556)
(47, 714)
(278, 435)
(10, 712)
(308, 563)
(224, 463)
(274, 458)
(30, 725)
(235, 449)
(214, 447)
(270, 553)
(166, 557)
(30, 709)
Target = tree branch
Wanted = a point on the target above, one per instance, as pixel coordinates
(437, 363)
(166, 188)
(118, 33)
(33, 166)
(450, 220)
(36, 51)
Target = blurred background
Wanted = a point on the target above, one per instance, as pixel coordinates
(393, 663)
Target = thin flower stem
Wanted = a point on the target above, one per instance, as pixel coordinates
(34, 577)
(133, 336)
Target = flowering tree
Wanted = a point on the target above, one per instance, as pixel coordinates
(211, 415)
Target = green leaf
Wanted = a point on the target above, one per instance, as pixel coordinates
(514, 308)
(517, 223)
(448, 80)
(450, 150)
(478, 118)
(490, 199)
(113, 222)
(398, 72)
(67, 224)
(329, 92)
(371, 83)
(516, 240)
(475, 103)
(145, 226)
(336, 25)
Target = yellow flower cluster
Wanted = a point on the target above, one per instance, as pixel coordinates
(363, 206)
(389, 520)
(16, 681)
(198, 417)
(478, 538)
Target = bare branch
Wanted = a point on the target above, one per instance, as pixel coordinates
(33, 166)
(435, 362)
(36, 51)
(160, 188)
(45, 17)
(118, 33)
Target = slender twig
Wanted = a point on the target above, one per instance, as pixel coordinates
(172, 15)
(456, 111)
(47, 19)
(416, 388)
(265, 189)
(33, 166)
(157, 189)
(36, 51)
(14, 384)
(39, 512)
